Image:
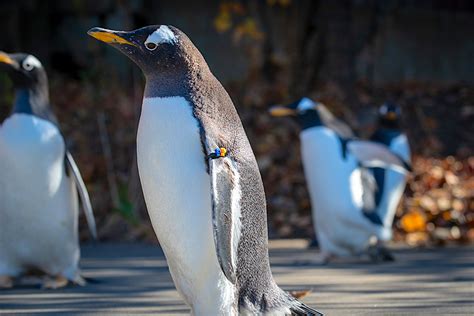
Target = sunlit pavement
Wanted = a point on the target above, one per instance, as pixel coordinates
(133, 279)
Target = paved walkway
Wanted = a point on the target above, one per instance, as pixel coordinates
(133, 279)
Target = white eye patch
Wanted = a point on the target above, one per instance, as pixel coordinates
(306, 104)
(31, 62)
(383, 109)
(162, 35)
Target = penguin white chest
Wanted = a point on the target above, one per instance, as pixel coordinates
(326, 170)
(329, 175)
(26, 139)
(177, 190)
(38, 203)
(173, 169)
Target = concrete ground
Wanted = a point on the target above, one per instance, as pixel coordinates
(133, 279)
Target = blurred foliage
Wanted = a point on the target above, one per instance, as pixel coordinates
(233, 17)
(283, 3)
(438, 205)
(223, 21)
(125, 207)
(439, 202)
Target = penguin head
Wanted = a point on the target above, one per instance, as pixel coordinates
(389, 115)
(156, 49)
(305, 111)
(25, 71)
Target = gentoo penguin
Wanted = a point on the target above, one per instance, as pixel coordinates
(38, 184)
(342, 189)
(200, 180)
(390, 184)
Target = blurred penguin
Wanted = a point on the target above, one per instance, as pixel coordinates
(390, 184)
(38, 185)
(342, 188)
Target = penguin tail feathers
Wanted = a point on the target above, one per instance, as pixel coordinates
(303, 310)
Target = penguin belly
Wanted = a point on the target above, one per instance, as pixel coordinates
(177, 190)
(340, 226)
(38, 202)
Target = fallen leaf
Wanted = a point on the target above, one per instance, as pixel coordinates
(413, 222)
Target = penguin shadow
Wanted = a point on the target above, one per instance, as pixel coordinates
(407, 260)
(118, 276)
(32, 281)
(36, 280)
(311, 256)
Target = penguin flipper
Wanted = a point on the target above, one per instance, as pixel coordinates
(371, 154)
(83, 194)
(342, 129)
(225, 213)
(369, 190)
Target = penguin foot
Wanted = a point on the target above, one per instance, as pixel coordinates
(78, 280)
(380, 254)
(328, 258)
(313, 244)
(387, 255)
(325, 258)
(6, 282)
(54, 283)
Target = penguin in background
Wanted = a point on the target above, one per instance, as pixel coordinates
(389, 130)
(390, 184)
(39, 184)
(347, 219)
(200, 179)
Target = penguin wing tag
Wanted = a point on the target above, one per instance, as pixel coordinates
(371, 154)
(226, 213)
(83, 194)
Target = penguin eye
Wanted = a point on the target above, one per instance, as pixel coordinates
(27, 65)
(151, 46)
(30, 63)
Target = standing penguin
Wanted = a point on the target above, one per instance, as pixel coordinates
(342, 189)
(200, 180)
(390, 184)
(38, 184)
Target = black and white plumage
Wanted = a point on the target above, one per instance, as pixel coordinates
(39, 184)
(208, 214)
(390, 183)
(342, 188)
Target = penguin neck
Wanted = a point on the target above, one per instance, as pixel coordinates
(33, 101)
(389, 124)
(178, 82)
(309, 119)
(385, 135)
(166, 85)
